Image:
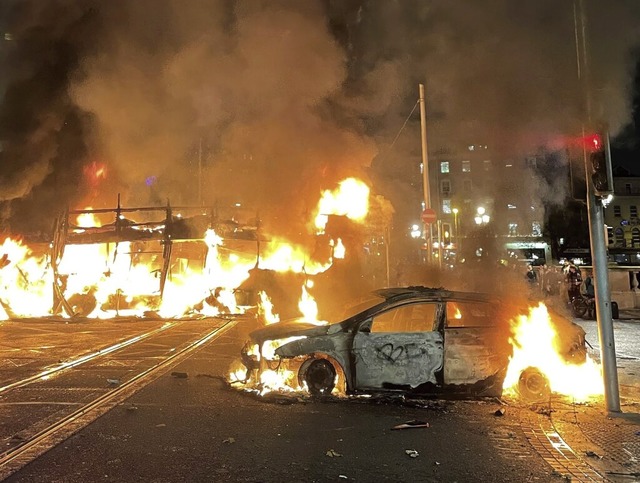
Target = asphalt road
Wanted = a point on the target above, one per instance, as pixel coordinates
(198, 429)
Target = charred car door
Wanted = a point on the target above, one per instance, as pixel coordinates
(398, 348)
(476, 344)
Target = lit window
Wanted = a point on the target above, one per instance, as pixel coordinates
(513, 229)
(633, 211)
(466, 166)
(536, 228)
(511, 207)
(617, 212)
(446, 206)
(444, 166)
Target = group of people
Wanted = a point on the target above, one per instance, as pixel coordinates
(549, 281)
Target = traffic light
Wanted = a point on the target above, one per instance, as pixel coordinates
(446, 234)
(600, 162)
(611, 239)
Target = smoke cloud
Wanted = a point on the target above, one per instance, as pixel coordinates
(266, 103)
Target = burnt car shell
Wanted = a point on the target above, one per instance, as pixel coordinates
(438, 358)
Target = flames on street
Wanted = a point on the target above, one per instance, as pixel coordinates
(103, 280)
(93, 277)
(534, 343)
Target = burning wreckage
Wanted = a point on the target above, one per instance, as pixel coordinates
(179, 262)
(421, 340)
(101, 264)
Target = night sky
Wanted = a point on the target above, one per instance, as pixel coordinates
(278, 100)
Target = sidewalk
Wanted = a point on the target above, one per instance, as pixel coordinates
(589, 437)
(629, 314)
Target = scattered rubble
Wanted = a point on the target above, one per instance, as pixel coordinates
(412, 453)
(412, 424)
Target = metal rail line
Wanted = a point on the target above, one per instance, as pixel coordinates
(14, 459)
(83, 359)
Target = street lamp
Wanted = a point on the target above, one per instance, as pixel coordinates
(481, 217)
(455, 224)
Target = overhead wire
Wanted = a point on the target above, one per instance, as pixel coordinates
(404, 124)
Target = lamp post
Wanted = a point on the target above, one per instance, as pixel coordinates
(455, 224)
(481, 217)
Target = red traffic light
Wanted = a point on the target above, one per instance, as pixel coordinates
(593, 142)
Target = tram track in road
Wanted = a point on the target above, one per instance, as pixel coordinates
(78, 399)
(83, 359)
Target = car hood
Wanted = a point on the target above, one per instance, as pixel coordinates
(292, 328)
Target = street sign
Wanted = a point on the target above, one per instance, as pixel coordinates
(428, 216)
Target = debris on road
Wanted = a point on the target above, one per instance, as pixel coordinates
(333, 454)
(229, 441)
(113, 382)
(412, 424)
(412, 453)
(500, 412)
(592, 454)
(180, 375)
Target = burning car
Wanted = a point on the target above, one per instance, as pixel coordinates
(414, 339)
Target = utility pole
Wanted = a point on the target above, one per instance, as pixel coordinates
(428, 232)
(596, 230)
(200, 172)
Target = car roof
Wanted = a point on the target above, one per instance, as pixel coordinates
(429, 293)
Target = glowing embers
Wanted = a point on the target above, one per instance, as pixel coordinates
(261, 370)
(538, 365)
(262, 373)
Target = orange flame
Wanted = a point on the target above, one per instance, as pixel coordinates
(108, 279)
(533, 344)
(350, 199)
(339, 250)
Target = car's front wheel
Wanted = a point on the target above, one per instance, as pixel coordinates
(319, 375)
(533, 385)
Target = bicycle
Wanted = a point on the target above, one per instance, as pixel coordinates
(583, 306)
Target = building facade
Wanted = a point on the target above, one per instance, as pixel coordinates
(621, 219)
(481, 196)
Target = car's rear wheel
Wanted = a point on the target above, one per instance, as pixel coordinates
(319, 376)
(533, 385)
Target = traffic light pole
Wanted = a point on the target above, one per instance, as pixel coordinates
(603, 299)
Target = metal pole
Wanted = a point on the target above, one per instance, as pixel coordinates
(200, 172)
(596, 235)
(425, 173)
(603, 299)
(388, 236)
(439, 243)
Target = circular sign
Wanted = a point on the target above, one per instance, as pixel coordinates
(428, 216)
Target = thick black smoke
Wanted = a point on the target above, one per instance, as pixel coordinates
(268, 102)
